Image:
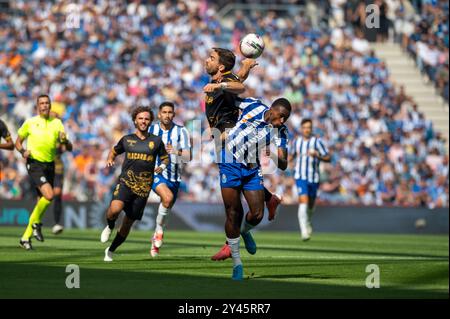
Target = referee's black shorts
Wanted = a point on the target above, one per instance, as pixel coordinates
(40, 173)
(134, 205)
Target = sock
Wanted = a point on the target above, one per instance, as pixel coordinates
(303, 218)
(41, 208)
(267, 195)
(111, 223)
(36, 216)
(246, 227)
(161, 218)
(234, 246)
(57, 208)
(118, 240)
(310, 213)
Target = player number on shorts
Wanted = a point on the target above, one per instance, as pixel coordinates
(73, 280)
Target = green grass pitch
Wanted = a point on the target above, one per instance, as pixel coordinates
(329, 266)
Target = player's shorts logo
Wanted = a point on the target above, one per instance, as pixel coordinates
(43, 179)
(224, 178)
(157, 180)
(151, 145)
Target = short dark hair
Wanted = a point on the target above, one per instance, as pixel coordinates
(167, 103)
(305, 120)
(282, 102)
(141, 109)
(226, 58)
(41, 96)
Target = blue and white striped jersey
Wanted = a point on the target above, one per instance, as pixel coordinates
(252, 133)
(306, 166)
(178, 136)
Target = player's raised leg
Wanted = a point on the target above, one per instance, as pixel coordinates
(112, 213)
(272, 202)
(255, 200)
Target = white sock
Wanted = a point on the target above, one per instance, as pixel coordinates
(161, 218)
(303, 218)
(234, 245)
(246, 227)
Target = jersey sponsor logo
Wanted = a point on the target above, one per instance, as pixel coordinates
(140, 156)
(151, 145)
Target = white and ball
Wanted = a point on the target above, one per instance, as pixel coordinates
(252, 46)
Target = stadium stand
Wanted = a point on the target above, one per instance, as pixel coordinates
(141, 53)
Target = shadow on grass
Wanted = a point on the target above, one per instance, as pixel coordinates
(43, 281)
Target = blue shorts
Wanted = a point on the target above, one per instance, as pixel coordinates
(173, 186)
(238, 175)
(306, 188)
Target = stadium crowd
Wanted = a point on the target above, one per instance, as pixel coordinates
(123, 54)
(426, 40)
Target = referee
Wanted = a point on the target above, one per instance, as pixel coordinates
(43, 133)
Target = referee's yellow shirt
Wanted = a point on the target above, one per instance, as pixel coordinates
(42, 137)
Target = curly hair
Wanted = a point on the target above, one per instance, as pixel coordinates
(141, 109)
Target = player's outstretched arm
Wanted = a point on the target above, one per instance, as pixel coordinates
(244, 71)
(232, 87)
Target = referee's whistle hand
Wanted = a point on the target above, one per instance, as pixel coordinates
(26, 154)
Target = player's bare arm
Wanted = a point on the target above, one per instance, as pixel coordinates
(20, 148)
(9, 145)
(281, 158)
(326, 158)
(184, 154)
(111, 158)
(164, 162)
(232, 87)
(244, 71)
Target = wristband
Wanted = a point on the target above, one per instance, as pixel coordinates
(163, 166)
(223, 85)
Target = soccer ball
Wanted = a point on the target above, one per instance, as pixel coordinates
(252, 46)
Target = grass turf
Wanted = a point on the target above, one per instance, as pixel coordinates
(329, 266)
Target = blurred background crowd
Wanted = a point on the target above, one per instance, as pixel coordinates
(120, 54)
